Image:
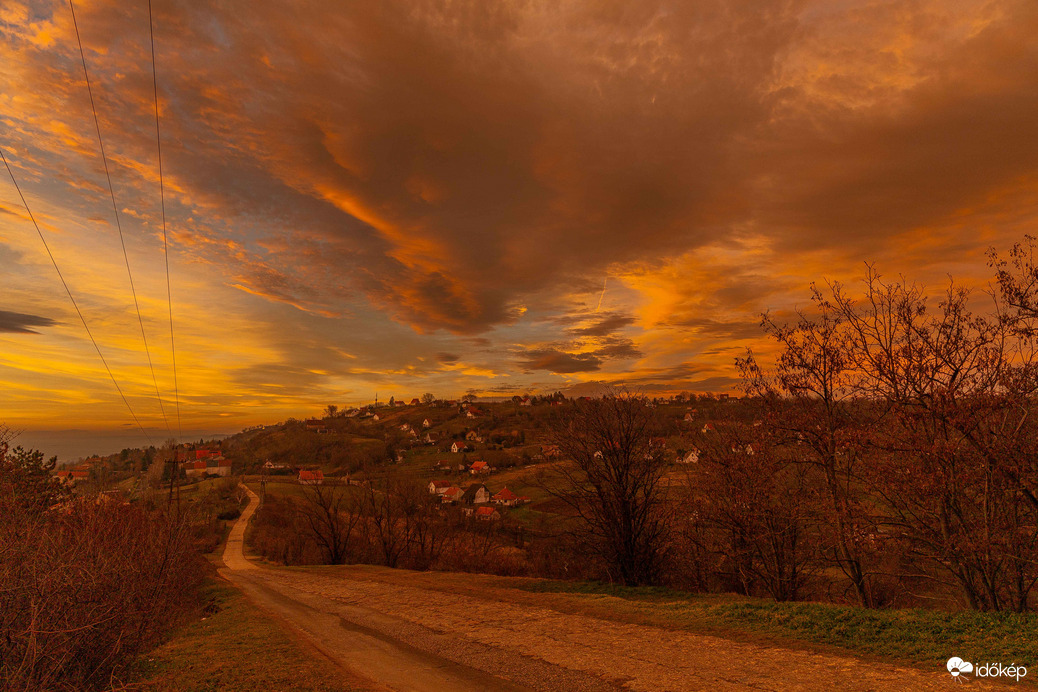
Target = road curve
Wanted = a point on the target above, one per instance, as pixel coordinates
(395, 631)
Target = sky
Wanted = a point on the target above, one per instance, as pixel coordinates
(413, 196)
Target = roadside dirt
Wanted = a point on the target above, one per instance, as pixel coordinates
(403, 631)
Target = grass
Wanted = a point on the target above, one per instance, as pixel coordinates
(237, 647)
(926, 637)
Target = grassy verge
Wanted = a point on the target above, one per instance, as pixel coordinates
(926, 637)
(235, 648)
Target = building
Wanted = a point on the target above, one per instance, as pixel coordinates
(439, 487)
(506, 497)
(487, 514)
(479, 467)
(476, 494)
(307, 477)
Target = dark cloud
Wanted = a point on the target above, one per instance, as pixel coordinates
(559, 362)
(721, 329)
(447, 358)
(19, 323)
(604, 327)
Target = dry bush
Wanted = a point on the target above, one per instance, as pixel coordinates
(85, 587)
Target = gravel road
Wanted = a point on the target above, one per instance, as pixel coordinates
(396, 632)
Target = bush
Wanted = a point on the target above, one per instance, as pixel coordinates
(85, 587)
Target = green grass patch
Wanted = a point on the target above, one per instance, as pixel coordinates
(237, 647)
(926, 637)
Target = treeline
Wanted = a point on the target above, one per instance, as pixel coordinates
(391, 521)
(87, 582)
(888, 457)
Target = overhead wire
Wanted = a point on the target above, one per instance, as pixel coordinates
(162, 201)
(71, 298)
(115, 210)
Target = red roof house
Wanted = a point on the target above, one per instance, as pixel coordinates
(311, 477)
(506, 497)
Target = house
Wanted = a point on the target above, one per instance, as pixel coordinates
(506, 497)
(459, 446)
(414, 402)
(429, 438)
(709, 427)
(443, 465)
(405, 427)
(692, 457)
(688, 418)
(271, 466)
(375, 418)
(487, 514)
(473, 436)
(526, 401)
(311, 477)
(439, 487)
(479, 467)
(476, 494)
(426, 423)
(451, 495)
(205, 453)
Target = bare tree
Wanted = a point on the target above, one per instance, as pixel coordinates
(809, 400)
(757, 501)
(332, 512)
(613, 478)
(958, 468)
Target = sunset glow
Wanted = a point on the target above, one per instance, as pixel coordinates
(500, 198)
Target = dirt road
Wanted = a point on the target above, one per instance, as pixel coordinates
(396, 630)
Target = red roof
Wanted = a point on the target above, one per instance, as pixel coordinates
(477, 465)
(485, 511)
(452, 493)
(505, 495)
(204, 453)
(441, 484)
(305, 475)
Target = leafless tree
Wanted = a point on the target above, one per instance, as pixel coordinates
(612, 477)
(809, 400)
(332, 512)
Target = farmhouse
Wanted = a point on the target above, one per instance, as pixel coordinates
(479, 467)
(459, 446)
(487, 514)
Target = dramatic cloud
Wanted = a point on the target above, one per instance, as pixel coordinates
(444, 196)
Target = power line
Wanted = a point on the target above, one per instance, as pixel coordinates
(162, 200)
(115, 209)
(74, 304)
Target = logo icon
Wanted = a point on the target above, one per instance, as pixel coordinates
(957, 667)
